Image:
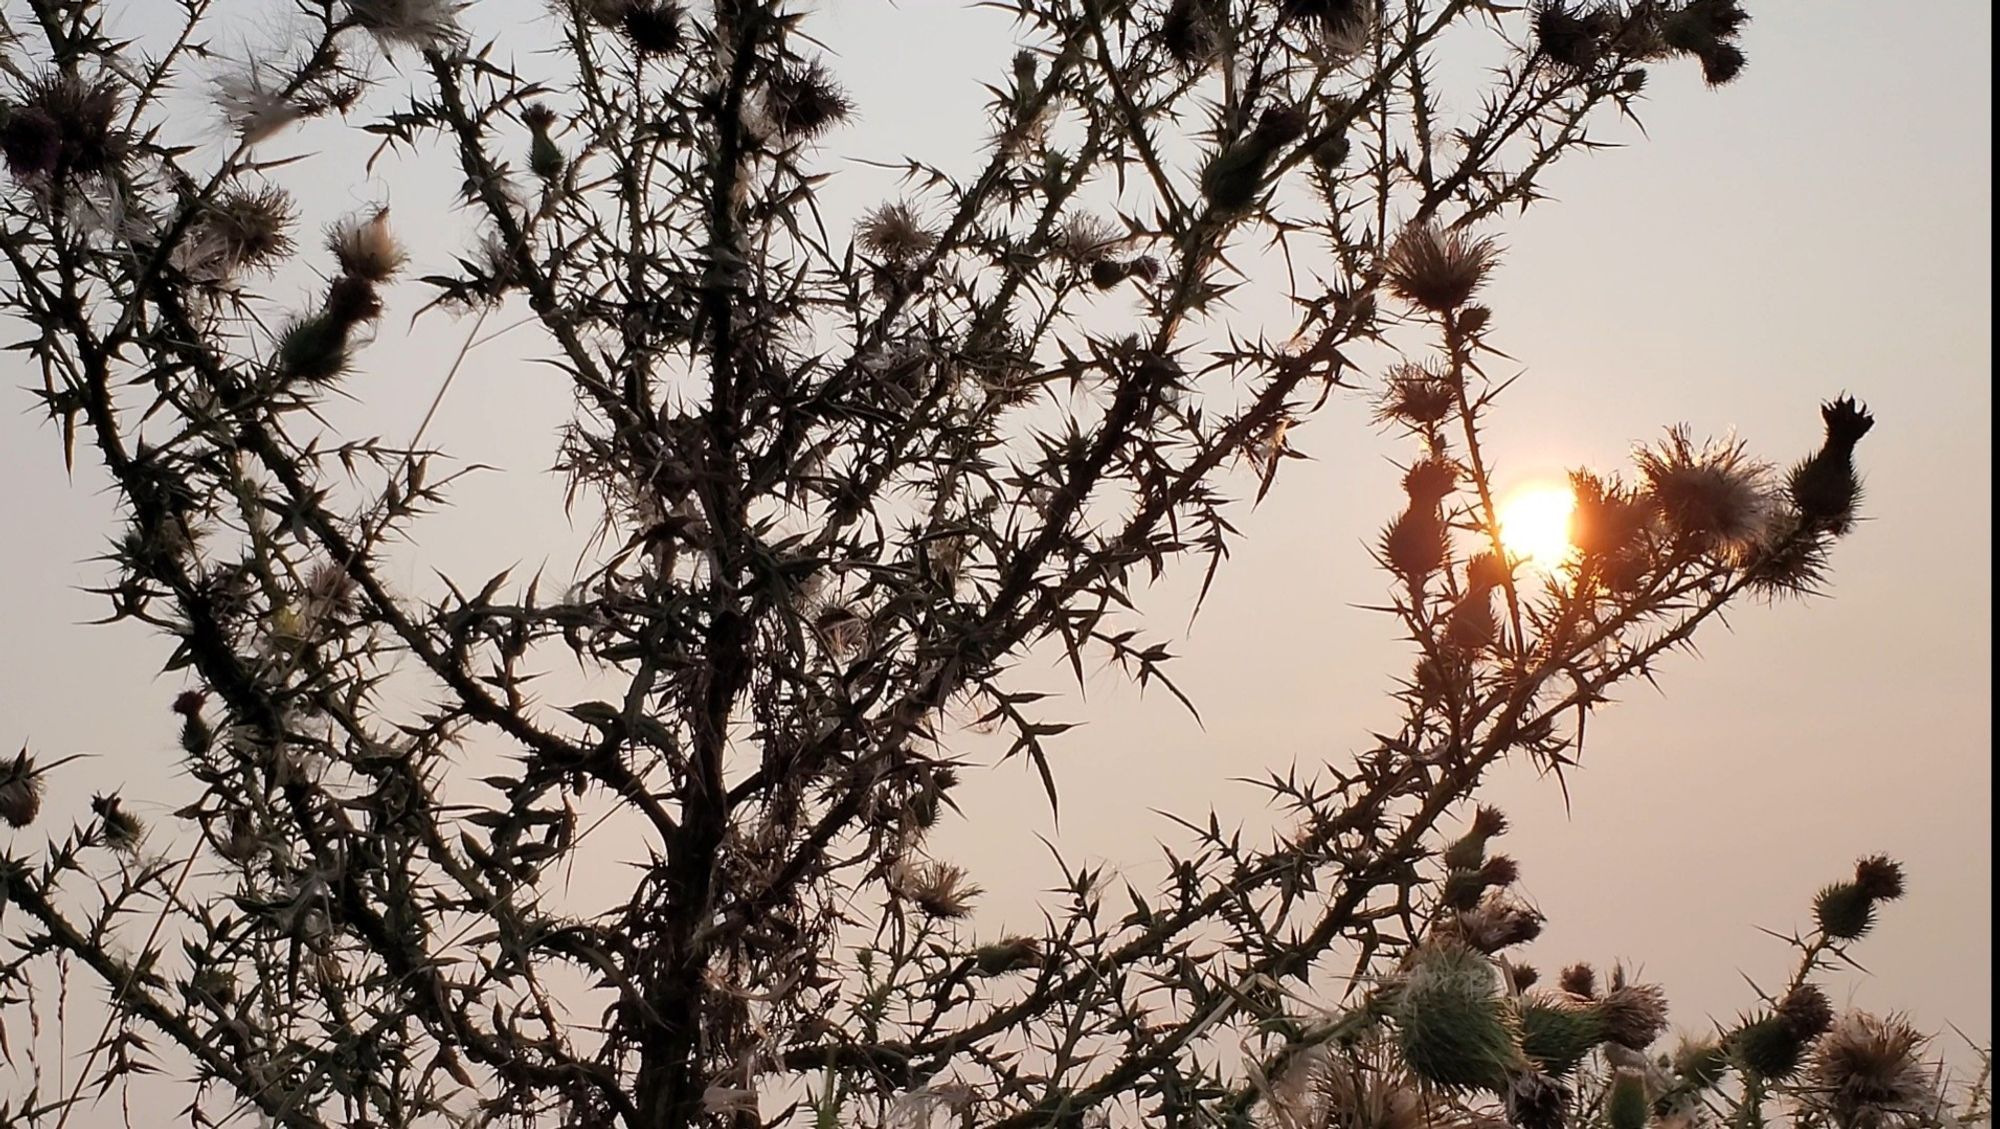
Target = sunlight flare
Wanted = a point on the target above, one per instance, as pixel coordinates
(1535, 524)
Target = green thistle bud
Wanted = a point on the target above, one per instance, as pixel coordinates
(1453, 1026)
(1011, 954)
(1844, 911)
(1700, 1063)
(1558, 1030)
(1468, 852)
(1774, 1046)
(1627, 1106)
(1463, 889)
(545, 157)
(121, 829)
(313, 349)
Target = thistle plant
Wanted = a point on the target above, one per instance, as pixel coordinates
(845, 471)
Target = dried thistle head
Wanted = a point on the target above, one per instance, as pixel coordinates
(417, 24)
(1497, 922)
(1634, 1014)
(939, 889)
(1436, 268)
(803, 101)
(894, 234)
(1084, 238)
(20, 790)
(63, 126)
(1579, 979)
(365, 247)
(653, 27)
(1713, 497)
(1344, 1093)
(252, 104)
(1868, 1072)
(240, 230)
(1416, 396)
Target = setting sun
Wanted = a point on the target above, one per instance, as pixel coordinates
(1534, 524)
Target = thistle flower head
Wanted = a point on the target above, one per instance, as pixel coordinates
(1429, 481)
(417, 24)
(1880, 877)
(1867, 1073)
(1825, 487)
(653, 27)
(1452, 1024)
(1342, 1093)
(240, 230)
(20, 790)
(1415, 544)
(1190, 33)
(1574, 39)
(121, 829)
(365, 247)
(1559, 1029)
(1846, 421)
(63, 126)
(1713, 496)
(894, 234)
(1806, 1011)
(1634, 1015)
(1436, 268)
(939, 889)
(1415, 396)
(1579, 979)
(1497, 922)
(1698, 1063)
(803, 101)
(1085, 238)
(1342, 26)
(1844, 911)
(538, 117)
(1468, 851)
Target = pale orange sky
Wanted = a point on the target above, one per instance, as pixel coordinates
(1820, 226)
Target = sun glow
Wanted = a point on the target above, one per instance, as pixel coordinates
(1534, 524)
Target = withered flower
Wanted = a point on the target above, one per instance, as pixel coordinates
(1438, 269)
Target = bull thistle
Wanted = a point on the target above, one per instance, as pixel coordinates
(1453, 1025)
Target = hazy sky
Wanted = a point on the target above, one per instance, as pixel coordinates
(1820, 226)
